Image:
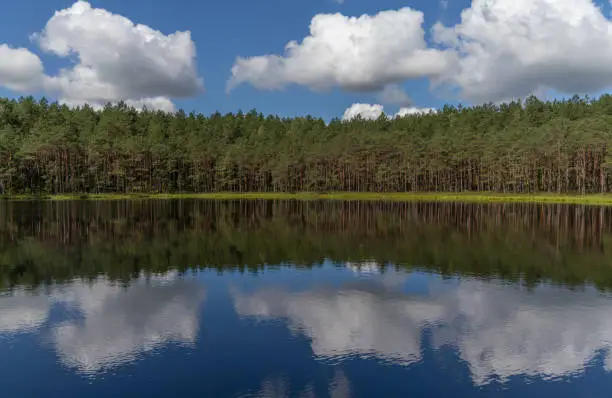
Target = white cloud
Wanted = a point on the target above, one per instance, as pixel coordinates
(511, 48)
(363, 53)
(20, 69)
(374, 111)
(157, 103)
(366, 111)
(115, 59)
(414, 111)
(499, 330)
(500, 50)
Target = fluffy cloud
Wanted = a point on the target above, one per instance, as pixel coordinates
(500, 50)
(511, 48)
(363, 53)
(20, 69)
(157, 103)
(116, 59)
(498, 330)
(414, 111)
(373, 112)
(366, 111)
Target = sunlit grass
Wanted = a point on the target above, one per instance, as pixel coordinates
(594, 199)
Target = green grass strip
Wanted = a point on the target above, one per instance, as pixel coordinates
(471, 197)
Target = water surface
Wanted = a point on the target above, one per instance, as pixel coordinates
(304, 299)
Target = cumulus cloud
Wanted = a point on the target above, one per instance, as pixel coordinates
(374, 111)
(20, 69)
(118, 59)
(499, 330)
(500, 50)
(115, 59)
(157, 103)
(414, 111)
(511, 48)
(363, 53)
(366, 111)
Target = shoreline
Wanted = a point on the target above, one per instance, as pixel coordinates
(467, 197)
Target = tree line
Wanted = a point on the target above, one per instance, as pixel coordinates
(46, 242)
(528, 146)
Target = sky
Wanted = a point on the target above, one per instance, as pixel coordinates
(326, 58)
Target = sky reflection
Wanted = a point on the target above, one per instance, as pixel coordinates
(499, 330)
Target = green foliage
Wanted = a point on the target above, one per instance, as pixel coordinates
(529, 147)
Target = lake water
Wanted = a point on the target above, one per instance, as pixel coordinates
(304, 299)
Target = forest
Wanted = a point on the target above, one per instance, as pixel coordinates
(42, 243)
(530, 146)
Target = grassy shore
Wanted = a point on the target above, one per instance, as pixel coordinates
(472, 197)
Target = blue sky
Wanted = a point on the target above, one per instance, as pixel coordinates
(222, 30)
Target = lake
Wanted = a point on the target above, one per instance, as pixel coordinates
(304, 299)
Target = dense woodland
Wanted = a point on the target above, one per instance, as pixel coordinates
(530, 146)
(45, 242)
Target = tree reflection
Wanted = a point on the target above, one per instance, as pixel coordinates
(45, 242)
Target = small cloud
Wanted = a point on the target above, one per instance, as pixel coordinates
(374, 111)
(366, 111)
(414, 111)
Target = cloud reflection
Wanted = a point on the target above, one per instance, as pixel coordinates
(22, 311)
(120, 324)
(499, 330)
(280, 387)
(351, 321)
(114, 324)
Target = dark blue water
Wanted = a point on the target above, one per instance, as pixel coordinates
(333, 329)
